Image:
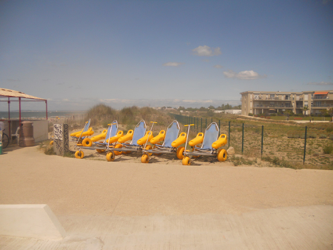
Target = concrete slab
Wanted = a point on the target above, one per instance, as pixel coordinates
(36, 221)
(303, 228)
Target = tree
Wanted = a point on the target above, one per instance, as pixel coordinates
(330, 111)
(288, 112)
(228, 106)
(305, 108)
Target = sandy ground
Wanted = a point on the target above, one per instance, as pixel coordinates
(164, 205)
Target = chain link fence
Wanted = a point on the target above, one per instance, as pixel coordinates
(277, 142)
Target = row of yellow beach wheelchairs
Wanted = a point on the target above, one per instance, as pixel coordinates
(115, 142)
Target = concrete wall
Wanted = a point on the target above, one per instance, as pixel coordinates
(37, 221)
(40, 128)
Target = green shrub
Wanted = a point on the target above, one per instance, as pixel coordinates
(49, 150)
(241, 161)
(69, 154)
(278, 162)
(328, 149)
(311, 135)
(329, 129)
(294, 135)
(250, 114)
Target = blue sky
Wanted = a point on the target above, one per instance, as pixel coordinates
(79, 53)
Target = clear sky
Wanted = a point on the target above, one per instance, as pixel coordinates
(77, 53)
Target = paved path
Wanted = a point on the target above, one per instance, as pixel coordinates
(128, 205)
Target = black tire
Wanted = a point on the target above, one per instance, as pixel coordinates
(5, 140)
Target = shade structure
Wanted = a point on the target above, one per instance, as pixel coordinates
(9, 95)
(321, 93)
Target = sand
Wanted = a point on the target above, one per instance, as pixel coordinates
(163, 205)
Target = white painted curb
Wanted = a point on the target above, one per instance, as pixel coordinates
(37, 221)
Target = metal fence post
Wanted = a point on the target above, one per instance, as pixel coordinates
(206, 122)
(212, 119)
(219, 127)
(242, 138)
(262, 138)
(306, 128)
(229, 136)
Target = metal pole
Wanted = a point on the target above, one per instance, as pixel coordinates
(206, 122)
(9, 125)
(262, 138)
(306, 129)
(229, 136)
(46, 109)
(19, 111)
(242, 138)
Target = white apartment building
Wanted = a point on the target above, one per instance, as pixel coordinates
(266, 102)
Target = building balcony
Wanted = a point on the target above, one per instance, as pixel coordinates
(327, 105)
(321, 98)
(271, 99)
(273, 106)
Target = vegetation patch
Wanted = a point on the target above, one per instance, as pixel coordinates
(278, 162)
(241, 161)
(328, 149)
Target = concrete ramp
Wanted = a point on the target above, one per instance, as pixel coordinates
(36, 221)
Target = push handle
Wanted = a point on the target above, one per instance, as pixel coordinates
(149, 133)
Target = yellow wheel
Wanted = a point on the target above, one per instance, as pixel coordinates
(148, 147)
(180, 152)
(118, 152)
(110, 156)
(222, 155)
(144, 158)
(87, 142)
(79, 154)
(104, 131)
(186, 161)
(100, 150)
(51, 143)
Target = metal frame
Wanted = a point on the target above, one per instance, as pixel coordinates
(161, 149)
(19, 100)
(102, 145)
(200, 151)
(85, 128)
(129, 147)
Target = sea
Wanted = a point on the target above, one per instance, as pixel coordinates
(38, 114)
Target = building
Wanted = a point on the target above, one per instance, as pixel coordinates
(229, 111)
(265, 102)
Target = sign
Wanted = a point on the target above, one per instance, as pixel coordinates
(58, 135)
